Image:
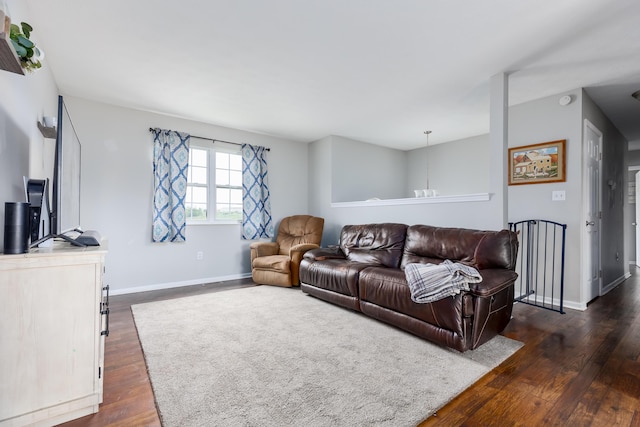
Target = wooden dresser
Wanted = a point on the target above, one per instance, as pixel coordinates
(53, 320)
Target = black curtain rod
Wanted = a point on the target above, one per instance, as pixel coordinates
(213, 140)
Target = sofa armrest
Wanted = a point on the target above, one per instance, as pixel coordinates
(299, 250)
(259, 249)
(493, 281)
(324, 253)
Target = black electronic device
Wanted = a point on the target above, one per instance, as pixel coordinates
(89, 238)
(64, 210)
(16, 227)
(37, 196)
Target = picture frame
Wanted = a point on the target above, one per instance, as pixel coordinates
(538, 163)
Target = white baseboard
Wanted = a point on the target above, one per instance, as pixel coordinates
(169, 285)
(580, 306)
(612, 285)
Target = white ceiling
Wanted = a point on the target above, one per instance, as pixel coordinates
(379, 71)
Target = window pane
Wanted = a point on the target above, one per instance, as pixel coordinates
(222, 212)
(228, 212)
(236, 197)
(199, 195)
(198, 157)
(235, 162)
(198, 175)
(235, 212)
(222, 196)
(222, 177)
(197, 212)
(235, 178)
(222, 160)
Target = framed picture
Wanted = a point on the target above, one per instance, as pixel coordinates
(537, 163)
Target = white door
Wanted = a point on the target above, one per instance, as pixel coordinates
(592, 199)
(636, 223)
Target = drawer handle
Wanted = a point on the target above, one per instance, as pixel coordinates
(104, 310)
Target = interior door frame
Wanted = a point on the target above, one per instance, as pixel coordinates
(636, 215)
(586, 251)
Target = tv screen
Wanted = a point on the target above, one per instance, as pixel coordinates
(65, 201)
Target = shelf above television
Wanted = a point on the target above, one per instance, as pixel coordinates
(8, 58)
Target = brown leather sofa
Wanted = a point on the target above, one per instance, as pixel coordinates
(366, 273)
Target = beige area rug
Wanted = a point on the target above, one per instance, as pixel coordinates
(269, 356)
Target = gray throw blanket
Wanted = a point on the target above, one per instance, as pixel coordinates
(432, 282)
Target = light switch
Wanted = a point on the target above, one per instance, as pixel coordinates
(558, 196)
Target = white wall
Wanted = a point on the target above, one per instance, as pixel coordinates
(116, 189)
(362, 171)
(545, 120)
(457, 167)
(478, 215)
(319, 160)
(24, 101)
(541, 121)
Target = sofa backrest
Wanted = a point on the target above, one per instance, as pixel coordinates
(481, 249)
(380, 244)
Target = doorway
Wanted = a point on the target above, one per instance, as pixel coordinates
(592, 210)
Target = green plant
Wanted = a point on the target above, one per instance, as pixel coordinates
(27, 51)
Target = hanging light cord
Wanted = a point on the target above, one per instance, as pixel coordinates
(427, 132)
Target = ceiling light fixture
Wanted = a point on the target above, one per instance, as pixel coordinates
(636, 95)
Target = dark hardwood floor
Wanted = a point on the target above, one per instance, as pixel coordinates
(576, 369)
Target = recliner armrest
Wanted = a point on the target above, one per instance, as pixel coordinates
(296, 253)
(320, 254)
(259, 249)
(493, 281)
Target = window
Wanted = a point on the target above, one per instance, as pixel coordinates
(197, 184)
(228, 186)
(214, 184)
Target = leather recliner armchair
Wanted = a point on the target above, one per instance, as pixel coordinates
(278, 263)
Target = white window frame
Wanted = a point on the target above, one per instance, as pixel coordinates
(211, 179)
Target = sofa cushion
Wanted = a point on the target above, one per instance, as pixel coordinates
(481, 249)
(388, 288)
(378, 244)
(337, 275)
(272, 262)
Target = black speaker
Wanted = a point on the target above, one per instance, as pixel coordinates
(16, 227)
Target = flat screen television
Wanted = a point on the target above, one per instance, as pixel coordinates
(65, 196)
(64, 208)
